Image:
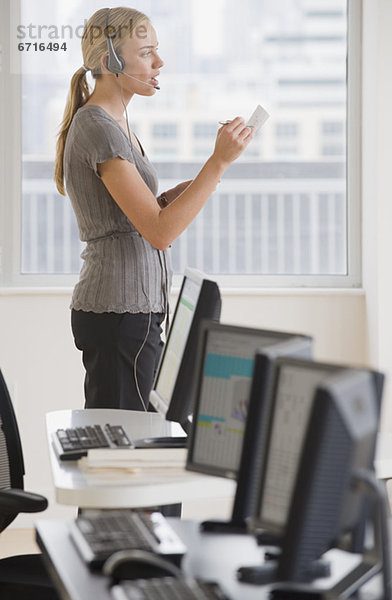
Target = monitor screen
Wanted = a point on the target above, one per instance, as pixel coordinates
(294, 389)
(224, 374)
(172, 391)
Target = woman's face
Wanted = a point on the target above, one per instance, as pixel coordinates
(141, 60)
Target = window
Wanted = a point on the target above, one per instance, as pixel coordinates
(204, 130)
(332, 150)
(333, 128)
(286, 130)
(283, 213)
(286, 151)
(164, 130)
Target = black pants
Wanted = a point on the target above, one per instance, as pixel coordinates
(110, 344)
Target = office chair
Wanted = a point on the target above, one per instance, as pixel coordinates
(22, 577)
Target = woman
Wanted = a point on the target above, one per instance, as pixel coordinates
(121, 298)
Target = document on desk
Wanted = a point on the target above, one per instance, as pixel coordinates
(150, 458)
(157, 457)
(151, 464)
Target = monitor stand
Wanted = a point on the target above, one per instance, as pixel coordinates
(375, 558)
(238, 521)
(242, 509)
(223, 527)
(177, 441)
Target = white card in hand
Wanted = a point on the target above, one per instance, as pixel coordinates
(258, 118)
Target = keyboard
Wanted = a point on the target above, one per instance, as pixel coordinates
(74, 442)
(167, 588)
(97, 534)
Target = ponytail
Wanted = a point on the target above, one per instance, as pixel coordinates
(79, 93)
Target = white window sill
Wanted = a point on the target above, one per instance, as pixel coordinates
(225, 291)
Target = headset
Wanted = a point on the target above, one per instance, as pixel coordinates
(115, 63)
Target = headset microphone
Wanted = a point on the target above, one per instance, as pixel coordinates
(156, 87)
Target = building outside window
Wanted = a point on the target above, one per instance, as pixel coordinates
(164, 130)
(204, 130)
(286, 130)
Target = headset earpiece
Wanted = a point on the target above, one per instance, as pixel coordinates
(114, 63)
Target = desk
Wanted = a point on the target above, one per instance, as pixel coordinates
(209, 556)
(145, 488)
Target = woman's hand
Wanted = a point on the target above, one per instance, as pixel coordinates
(167, 197)
(231, 141)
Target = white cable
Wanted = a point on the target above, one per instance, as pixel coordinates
(144, 291)
(149, 316)
(126, 119)
(135, 362)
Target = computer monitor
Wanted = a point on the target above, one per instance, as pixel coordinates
(229, 411)
(339, 442)
(322, 431)
(172, 394)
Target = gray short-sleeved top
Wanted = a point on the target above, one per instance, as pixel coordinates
(122, 272)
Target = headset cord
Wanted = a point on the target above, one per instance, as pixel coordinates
(144, 292)
(164, 270)
(165, 290)
(127, 121)
(135, 362)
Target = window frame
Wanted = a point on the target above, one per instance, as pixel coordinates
(11, 185)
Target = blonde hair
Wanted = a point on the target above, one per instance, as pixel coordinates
(94, 45)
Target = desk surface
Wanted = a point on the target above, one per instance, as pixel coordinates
(209, 556)
(163, 484)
